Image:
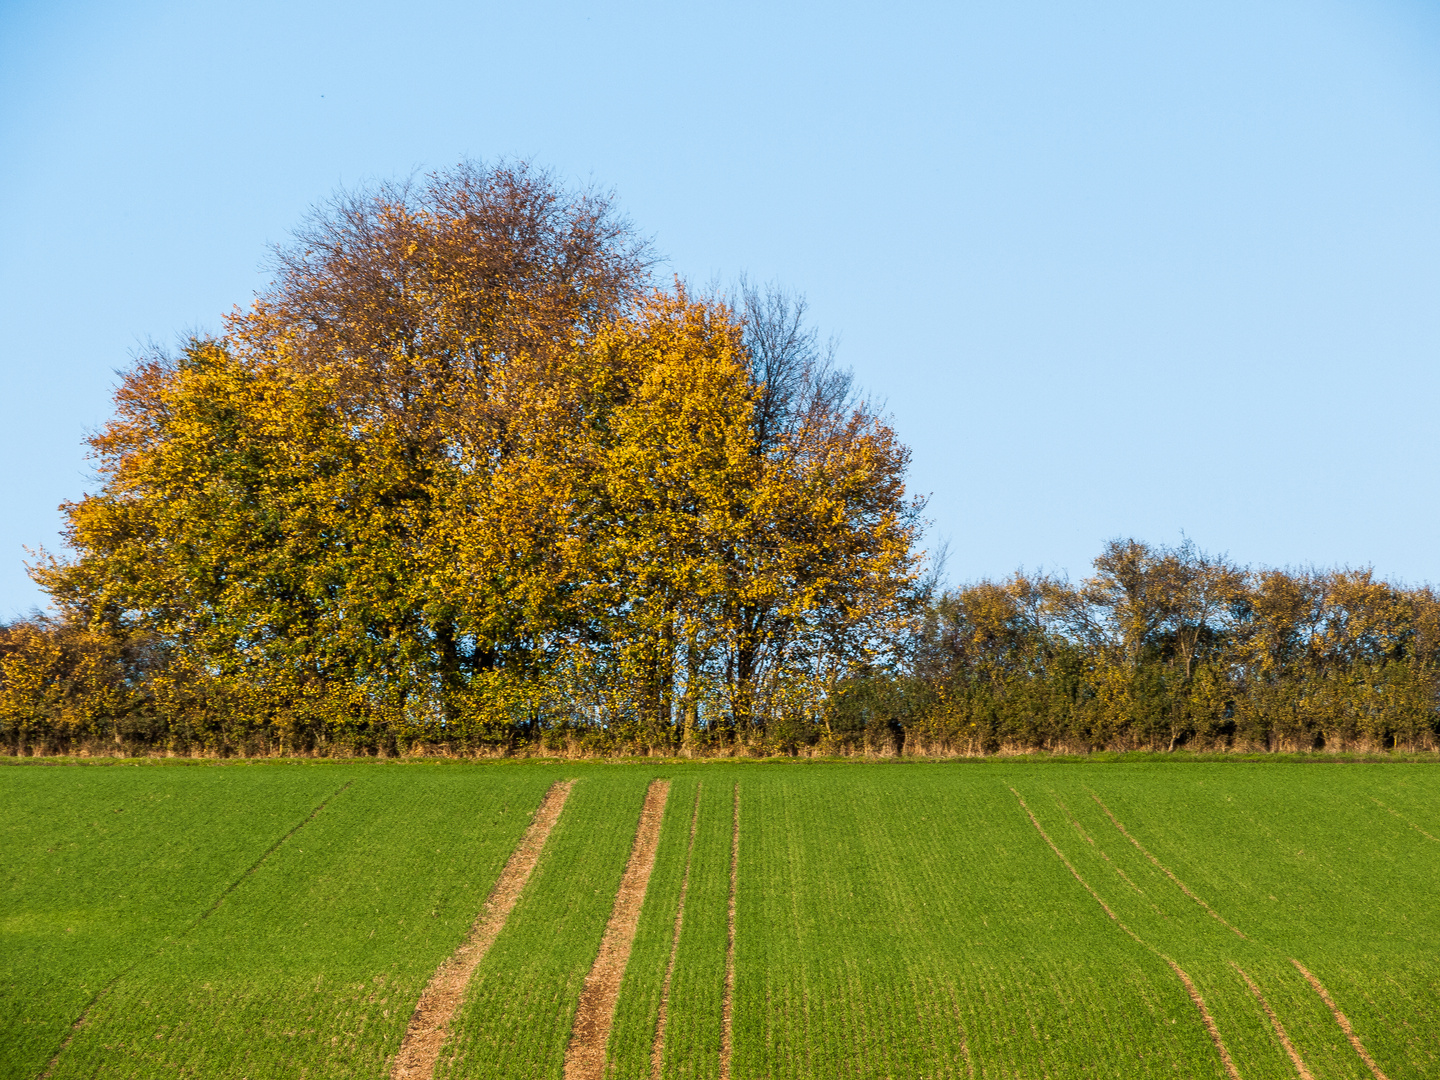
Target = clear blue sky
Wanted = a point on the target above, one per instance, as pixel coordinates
(1114, 267)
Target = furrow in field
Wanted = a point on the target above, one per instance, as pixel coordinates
(261, 860)
(727, 1009)
(585, 1057)
(1190, 988)
(84, 1016)
(1163, 868)
(658, 1049)
(1071, 867)
(430, 1023)
(1210, 1026)
(1407, 821)
(1342, 1020)
(80, 1022)
(1295, 1058)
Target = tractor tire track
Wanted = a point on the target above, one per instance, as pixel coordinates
(658, 1048)
(1342, 1020)
(1295, 1058)
(1406, 820)
(1165, 869)
(430, 1023)
(1190, 988)
(585, 1056)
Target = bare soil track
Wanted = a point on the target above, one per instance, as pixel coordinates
(585, 1057)
(658, 1048)
(1295, 1059)
(431, 1022)
(727, 1010)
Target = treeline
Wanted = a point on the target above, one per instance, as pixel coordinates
(1168, 647)
(463, 476)
(464, 480)
(1160, 648)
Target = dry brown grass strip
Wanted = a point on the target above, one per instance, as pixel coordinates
(585, 1056)
(657, 1050)
(728, 1006)
(1342, 1020)
(1163, 868)
(430, 1023)
(1295, 1058)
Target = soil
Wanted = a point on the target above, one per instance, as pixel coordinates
(420, 1048)
(585, 1057)
(657, 1051)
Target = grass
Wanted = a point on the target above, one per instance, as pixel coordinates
(637, 1011)
(882, 923)
(517, 1016)
(692, 1030)
(315, 964)
(104, 865)
(892, 921)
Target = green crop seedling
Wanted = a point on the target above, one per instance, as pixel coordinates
(799, 920)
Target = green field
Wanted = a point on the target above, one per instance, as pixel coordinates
(957, 919)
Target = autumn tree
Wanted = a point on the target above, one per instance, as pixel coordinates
(306, 489)
(825, 582)
(459, 470)
(753, 537)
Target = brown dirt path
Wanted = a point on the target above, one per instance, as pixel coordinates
(657, 1050)
(1206, 1017)
(1295, 1059)
(585, 1056)
(1342, 1020)
(430, 1023)
(728, 1008)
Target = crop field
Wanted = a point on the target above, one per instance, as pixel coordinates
(717, 920)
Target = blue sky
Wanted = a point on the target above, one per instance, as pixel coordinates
(1114, 268)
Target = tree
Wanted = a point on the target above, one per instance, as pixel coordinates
(825, 581)
(297, 496)
(456, 470)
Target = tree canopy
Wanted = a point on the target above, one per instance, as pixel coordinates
(463, 472)
(465, 476)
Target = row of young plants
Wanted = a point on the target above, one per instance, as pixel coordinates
(888, 922)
